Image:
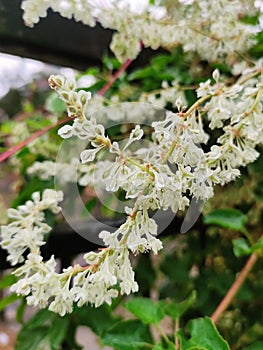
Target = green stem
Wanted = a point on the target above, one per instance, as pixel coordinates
(140, 166)
(242, 80)
(257, 100)
(176, 329)
(171, 149)
(196, 104)
(161, 331)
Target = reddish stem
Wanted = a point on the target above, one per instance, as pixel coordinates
(232, 292)
(114, 77)
(34, 136)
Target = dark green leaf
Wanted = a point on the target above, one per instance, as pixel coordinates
(258, 246)
(127, 335)
(147, 310)
(34, 185)
(20, 311)
(145, 273)
(7, 281)
(177, 270)
(228, 218)
(41, 318)
(204, 334)
(187, 345)
(94, 88)
(99, 319)
(9, 299)
(141, 73)
(176, 310)
(257, 346)
(241, 247)
(58, 332)
(28, 340)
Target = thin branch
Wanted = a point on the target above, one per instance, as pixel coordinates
(114, 77)
(31, 138)
(176, 329)
(232, 292)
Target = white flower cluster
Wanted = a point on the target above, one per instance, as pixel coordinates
(210, 27)
(76, 102)
(164, 175)
(27, 227)
(39, 281)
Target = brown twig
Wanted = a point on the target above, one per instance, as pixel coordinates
(114, 77)
(31, 138)
(232, 292)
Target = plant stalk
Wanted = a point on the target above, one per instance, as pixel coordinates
(232, 292)
(114, 77)
(31, 138)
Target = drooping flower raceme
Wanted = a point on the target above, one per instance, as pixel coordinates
(160, 176)
(165, 175)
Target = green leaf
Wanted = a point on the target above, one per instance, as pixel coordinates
(29, 188)
(41, 318)
(187, 344)
(256, 346)
(34, 331)
(176, 310)
(89, 206)
(127, 335)
(58, 332)
(204, 334)
(228, 218)
(241, 247)
(9, 299)
(20, 311)
(54, 104)
(158, 347)
(111, 62)
(43, 326)
(8, 280)
(147, 310)
(37, 122)
(145, 273)
(94, 88)
(257, 246)
(169, 346)
(28, 340)
(99, 319)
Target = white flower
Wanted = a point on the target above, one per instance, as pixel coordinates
(26, 229)
(66, 131)
(90, 154)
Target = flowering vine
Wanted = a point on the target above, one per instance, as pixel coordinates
(166, 175)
